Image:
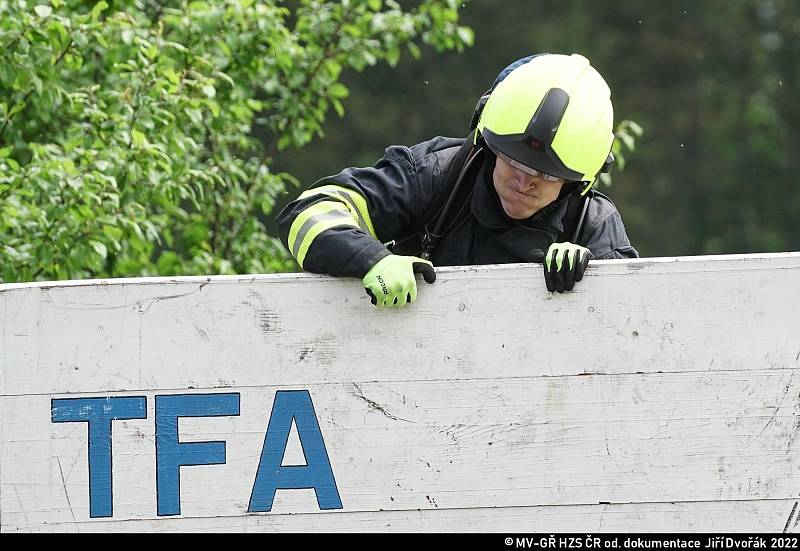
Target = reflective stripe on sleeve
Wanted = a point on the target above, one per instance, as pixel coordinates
(313, 221)
(354, 201)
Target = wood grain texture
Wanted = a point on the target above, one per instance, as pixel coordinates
(662, 395)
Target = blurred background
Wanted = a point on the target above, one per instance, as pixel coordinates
(161, 137)
(714, 83)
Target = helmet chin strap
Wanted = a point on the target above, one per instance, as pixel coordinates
(476, 114)
(605, 168)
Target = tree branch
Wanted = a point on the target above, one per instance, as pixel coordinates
(30, 92)
(329, 52)
(60, 57)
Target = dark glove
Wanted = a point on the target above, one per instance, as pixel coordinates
(560, 275)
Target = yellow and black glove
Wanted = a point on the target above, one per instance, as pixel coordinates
(391, 282)
(564, 264)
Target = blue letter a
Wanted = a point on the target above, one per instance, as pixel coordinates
(316, 473)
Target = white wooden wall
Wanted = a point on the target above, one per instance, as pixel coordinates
(659, 395)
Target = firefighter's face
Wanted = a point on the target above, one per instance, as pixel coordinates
(521, 194)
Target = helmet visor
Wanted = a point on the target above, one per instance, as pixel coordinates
(526, 169)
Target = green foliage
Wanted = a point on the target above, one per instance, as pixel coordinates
(624, 143)
(127, 128)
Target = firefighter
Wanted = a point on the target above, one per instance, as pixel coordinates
(521, 183)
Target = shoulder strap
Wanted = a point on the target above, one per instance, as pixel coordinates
(439, 216)
(575, 217)
(461, 188)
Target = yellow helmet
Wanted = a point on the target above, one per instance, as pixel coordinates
(552, 114)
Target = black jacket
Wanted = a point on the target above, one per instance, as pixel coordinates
(405, 187)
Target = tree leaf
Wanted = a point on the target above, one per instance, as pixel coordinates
(628, 140)
(338, 90)
(338, 107)
(43, 10)
(99, 248)
(113, 233)
(635, 128)
(99, 8)
(139, 139)
(195, 115)
(209, 90)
